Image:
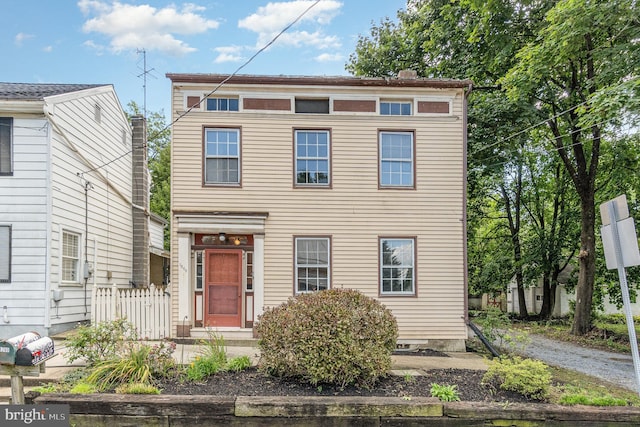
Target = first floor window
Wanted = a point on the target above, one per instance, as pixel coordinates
(222, 156)
(397, 266)
(312, 264)
(5, 253)
(70, 256)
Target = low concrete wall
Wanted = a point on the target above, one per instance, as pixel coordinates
(109, 410)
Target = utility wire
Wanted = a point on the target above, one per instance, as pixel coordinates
(247, 62)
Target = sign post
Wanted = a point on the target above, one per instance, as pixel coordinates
(621, 250)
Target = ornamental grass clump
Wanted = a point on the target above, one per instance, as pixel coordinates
(338, 336)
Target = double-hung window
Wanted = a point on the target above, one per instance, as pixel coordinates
(5, 253)
(396, 153)
(70, 256)
(397, 266)
(312, 264)
(6, 135)
(312, 151)
(222, 156)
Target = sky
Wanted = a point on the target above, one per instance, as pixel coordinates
(102, 41)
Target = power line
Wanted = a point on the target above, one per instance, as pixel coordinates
(266, 46)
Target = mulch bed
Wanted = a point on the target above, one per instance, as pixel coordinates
(251, 382)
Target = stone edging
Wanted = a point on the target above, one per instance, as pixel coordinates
(178, 409)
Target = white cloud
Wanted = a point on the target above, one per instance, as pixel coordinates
(228, 54)
(143, 26)
(47, 49)
(98, 48)
(269, 20)
(20, 37)
(329, 57)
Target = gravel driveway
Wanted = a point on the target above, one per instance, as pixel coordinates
(613, 367)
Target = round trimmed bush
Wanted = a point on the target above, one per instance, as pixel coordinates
(337, 336)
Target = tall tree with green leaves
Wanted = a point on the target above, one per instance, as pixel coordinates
(585, 49)
(159, 163)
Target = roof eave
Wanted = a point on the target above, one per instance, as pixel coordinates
(318, 80)
(21, 106)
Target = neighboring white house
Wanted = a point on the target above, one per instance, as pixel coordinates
(562, 307)
(66, 202)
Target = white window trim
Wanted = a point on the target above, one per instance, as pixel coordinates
(412, 104)
(78, 281)
(297, 265)
(7, 253)
(413, 292)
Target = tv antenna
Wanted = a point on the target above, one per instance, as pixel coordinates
(144, 74)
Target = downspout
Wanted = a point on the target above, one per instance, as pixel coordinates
(465, 255)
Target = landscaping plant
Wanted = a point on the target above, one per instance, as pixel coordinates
(528, 377)
(99, 342)
(213, 359)
(337, 336)
(446, 393)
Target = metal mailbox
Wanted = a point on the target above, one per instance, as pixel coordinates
(9, 348)
(35, 352)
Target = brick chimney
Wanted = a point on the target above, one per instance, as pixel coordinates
(408, 74)
(140, 199)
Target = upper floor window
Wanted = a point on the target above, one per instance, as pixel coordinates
(222, 104)
(5, 253)
(6, 149)
(70, 256)
(222, 156)
(397, 267)
(317, 106)
(312, 264)
(396, 159)
(312, 151)
(395, 108)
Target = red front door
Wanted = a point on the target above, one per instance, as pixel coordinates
(223, 287)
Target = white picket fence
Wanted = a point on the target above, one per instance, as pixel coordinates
(147, 309)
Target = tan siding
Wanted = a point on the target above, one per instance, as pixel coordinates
(354, 212)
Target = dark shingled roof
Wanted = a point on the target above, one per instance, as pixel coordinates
(37, 91)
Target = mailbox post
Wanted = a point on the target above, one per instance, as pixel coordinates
(24, 356)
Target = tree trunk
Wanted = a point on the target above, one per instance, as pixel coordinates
(586, 276)
(547, 305)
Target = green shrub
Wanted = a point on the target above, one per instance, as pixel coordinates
(160, 359)
(99, 342)
(239, 363)
(137, 388)
(528, 377)
(446, 393)
(339, 337)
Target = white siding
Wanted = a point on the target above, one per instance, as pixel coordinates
(104, 160)
(23, 206)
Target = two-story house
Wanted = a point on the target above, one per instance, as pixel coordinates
(69, 198)
(283, 185)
